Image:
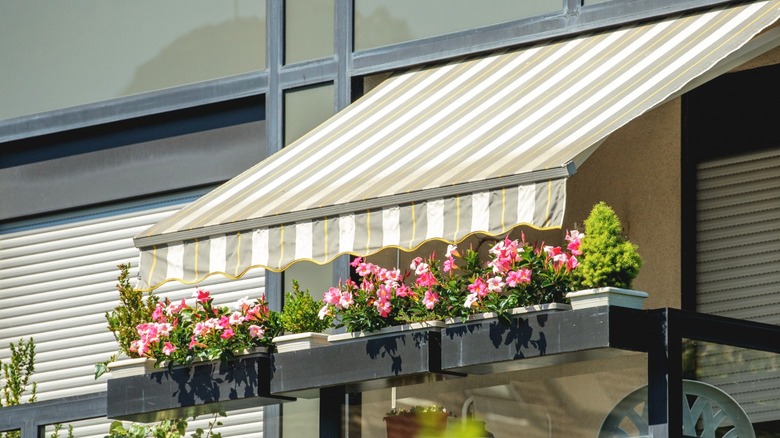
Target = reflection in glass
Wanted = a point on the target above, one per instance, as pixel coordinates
(384, 22)
(567, 400)
(305, 108)
(60, 54)
(308, 30)
(750, 377)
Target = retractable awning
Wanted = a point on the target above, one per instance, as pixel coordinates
(477, 145)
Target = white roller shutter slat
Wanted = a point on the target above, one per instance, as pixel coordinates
(738, 272)
(58, 278)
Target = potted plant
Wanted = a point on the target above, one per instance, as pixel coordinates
(608, 265)
(133, 309)
(156, 333)
(427, 421)
(300, 322)
(518, 277)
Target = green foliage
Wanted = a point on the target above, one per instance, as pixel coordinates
(300, 313)
(58, 427)
(608, 259)
(17, 373)
(133, 309)
(165, 429)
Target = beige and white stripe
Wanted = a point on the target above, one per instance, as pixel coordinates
(476, 145)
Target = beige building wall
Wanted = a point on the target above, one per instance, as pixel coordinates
(637, 172)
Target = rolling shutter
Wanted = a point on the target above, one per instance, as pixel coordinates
(57, 279)
(738, 271)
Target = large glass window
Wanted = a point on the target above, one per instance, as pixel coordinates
(308, 30)
(384, 22)
(305, 108)
(60, 54)
(730, 390)
(568, 400)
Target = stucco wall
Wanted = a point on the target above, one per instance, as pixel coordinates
(637, 172)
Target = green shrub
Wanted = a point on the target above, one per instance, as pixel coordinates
(301, 312)
(608, 259)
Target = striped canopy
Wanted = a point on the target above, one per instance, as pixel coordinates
(479, 145)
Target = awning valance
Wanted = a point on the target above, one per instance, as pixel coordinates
(478, 145)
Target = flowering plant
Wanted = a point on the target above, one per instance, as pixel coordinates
(517, 274)
(180, 332)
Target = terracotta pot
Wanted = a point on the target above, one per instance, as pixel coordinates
(430, 424)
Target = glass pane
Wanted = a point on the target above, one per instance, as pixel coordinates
(735, 382)
(60, 54)
(383, 22)
(308, 30)
(305, 108)
(567, 400)
(301, 418)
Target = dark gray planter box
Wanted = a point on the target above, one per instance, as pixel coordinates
(191, 391)
(360, 364)
(534, 340)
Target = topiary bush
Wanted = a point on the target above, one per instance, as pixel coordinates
(608, 258)
(300, 313)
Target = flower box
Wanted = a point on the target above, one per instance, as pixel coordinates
(396, 329)
(607, 296)
(300, 341)
(361, 361)
(185, 391)
(488, 345)
(131, 366)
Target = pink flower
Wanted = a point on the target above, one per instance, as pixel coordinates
(332, 296)
(523, 275)
(236, 318)
(201, 295)
(366, 285)
(471, 299)
(242, 304)
(200, 329)
(430, 299)
(255, 331)
(392, 275)
(574, 238)
(168, 348)
(194, 343)
(158, 315)
(415, 263)
(479, 287)
(385, 293)
(324, 311)
(364, 269)
(495, 284)
(227, 333)
(572, 263)
(449, 265)
(426, 279)
(422, 268)
(452, 250)
(175, 309)
(402, 291)
(383, 307)
(355, 263)
(345, 301)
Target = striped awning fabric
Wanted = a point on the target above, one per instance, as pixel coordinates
(475, 145)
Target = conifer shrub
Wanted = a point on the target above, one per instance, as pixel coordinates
(608, 258)
(300, 312)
